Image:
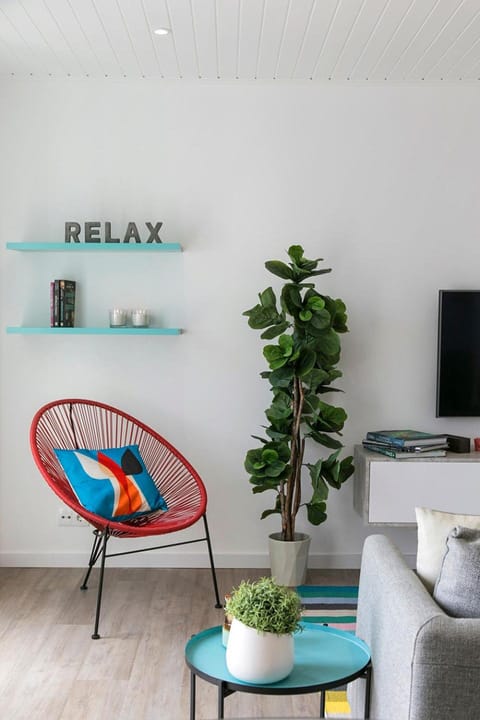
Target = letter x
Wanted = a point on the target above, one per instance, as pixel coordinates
(153, 237)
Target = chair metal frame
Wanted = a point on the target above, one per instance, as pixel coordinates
(79, 423)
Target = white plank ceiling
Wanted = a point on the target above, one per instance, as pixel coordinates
(287, 40)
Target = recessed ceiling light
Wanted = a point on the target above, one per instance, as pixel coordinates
(161, 31)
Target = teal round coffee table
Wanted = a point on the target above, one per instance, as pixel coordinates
(325, 658)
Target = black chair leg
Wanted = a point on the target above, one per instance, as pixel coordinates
(104, 537)
(94, 555)
(212, 566)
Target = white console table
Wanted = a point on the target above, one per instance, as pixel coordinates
(386, 491)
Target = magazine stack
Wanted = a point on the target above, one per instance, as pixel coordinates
(406, 444)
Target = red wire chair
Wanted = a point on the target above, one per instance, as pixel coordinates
(74, 424)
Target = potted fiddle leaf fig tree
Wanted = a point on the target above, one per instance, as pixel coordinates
(302, 329)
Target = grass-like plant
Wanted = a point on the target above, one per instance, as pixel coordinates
(302, 367)
(265, 606)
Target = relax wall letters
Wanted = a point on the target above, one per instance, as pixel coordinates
(93, 232)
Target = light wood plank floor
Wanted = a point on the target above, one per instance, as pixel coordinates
(51, 669)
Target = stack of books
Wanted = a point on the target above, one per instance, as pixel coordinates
(62, 303)
(406, 444)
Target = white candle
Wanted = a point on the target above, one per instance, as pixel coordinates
(118, 317)
(140, 317)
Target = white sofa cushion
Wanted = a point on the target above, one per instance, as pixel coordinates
(433, 529)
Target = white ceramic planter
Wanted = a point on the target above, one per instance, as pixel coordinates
(258, 657)
(289, 560)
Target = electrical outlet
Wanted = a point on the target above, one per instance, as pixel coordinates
(69, 518)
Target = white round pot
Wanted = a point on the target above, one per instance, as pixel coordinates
(258, 657)
(289, 559)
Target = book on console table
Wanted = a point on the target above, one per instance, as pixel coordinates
(412, 449)
(399, 454)
(406, 438)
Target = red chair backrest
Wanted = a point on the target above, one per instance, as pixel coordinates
(77, 423)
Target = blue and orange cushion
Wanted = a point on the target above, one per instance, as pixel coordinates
(113, 483)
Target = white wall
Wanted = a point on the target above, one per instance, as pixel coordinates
(382, 182)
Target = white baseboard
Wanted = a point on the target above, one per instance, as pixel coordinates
(179, 560)
(169, 560)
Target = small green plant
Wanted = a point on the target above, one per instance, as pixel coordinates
(265, 606)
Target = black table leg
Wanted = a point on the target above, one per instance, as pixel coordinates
(192, 695)
(368, 679)
(221, 697)
(322, 703)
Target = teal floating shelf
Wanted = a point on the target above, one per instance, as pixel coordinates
(92, 331)
(93, 247)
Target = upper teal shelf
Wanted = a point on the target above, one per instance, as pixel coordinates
(93, 247)
(93, 331)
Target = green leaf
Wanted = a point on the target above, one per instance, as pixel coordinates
(315, 470)
(315, 377)
(286, 344)
(275, 469)
(274, 356)
(269, 455)
(282, 377)
(266, 513)
(338, 313)
(262, 486)
(281, 406)
(253, 461)
(328, 344)
(306, 362)
(332, 416)
(278, 434)
(346, 469)
(321, 319)
(275, 330)
(305, 315)
(325, 440)
(320, 488)
(316, 512)
(295, 252)
(267, 298)
(276, 267)
(261, 317)
(291, 299)
(331, 461)
(315, 303)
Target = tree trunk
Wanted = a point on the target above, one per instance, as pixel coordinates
(293, 493)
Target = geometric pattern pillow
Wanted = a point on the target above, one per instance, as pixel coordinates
(457, 589)
(113, 483)
(433, 528)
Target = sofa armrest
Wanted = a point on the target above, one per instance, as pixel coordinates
(392, 606)
(446, 670)
(426, 665)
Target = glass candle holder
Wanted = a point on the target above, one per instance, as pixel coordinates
(118, 317)
(140, 317)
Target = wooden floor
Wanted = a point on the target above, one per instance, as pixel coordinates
(51, 669)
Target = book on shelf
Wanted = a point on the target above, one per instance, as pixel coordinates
(407, 438)
(399, 454)
(52, 303)
(62, 303)
(67, 303)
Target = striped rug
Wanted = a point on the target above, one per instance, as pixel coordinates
(336, 606)
(333, 605)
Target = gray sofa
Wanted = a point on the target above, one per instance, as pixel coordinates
(426, 665)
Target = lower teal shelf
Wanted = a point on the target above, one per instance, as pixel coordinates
(92, 331)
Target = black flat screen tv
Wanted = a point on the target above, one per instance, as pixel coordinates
(458, 354)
